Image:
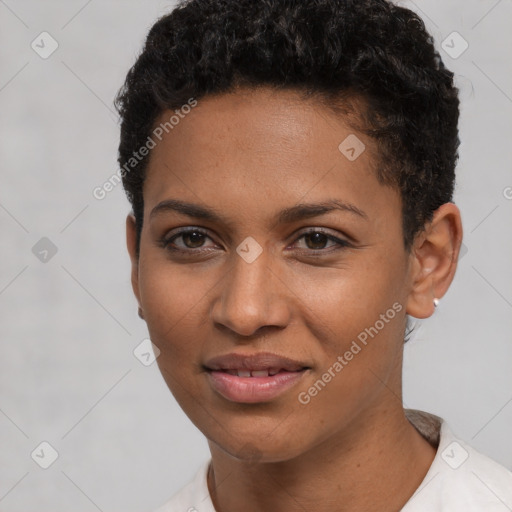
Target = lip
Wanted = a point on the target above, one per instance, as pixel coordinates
(259, 361)
(253, 389)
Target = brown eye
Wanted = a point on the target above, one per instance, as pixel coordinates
(193, 239)
(186, 241)
(317, 240)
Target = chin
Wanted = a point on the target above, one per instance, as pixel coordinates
(257, 449)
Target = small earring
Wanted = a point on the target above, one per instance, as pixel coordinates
(140, 313)
(436, 302)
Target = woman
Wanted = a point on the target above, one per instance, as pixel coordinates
(291, 170)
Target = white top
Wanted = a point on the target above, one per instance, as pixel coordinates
(460, 478)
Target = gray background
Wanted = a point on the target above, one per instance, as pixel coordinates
(69, 325)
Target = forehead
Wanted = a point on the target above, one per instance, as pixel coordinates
(260, 148)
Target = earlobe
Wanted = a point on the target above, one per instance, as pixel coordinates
(131, 244)
(435, 255)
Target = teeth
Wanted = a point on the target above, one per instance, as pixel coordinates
(254, 373)
(260, 373)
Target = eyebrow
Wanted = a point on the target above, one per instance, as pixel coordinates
(288, 215)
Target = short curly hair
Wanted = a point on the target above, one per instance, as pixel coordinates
(334, 50)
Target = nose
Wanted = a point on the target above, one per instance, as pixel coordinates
(252, 297)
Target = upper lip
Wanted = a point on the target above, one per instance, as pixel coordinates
(260, 361)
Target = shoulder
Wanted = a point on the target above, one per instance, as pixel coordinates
(461, 479)
(194, 497)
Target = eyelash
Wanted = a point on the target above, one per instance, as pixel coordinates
(166, 241)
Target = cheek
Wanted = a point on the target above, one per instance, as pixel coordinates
(175, 308)
(357, 324)
(358, 357)
(338, 304)
(175, 301)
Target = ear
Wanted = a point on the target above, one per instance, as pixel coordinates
(434, 256)
(131, 244)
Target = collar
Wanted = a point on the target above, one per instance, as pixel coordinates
(427, 424)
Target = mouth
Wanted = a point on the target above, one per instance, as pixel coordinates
(254, 373)
(253, 378)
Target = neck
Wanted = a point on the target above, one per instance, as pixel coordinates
(375, 464)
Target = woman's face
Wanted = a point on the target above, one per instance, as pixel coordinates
(270, 273)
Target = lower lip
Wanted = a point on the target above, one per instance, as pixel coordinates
(253, 389)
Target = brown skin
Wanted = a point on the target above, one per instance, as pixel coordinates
(249, 154)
